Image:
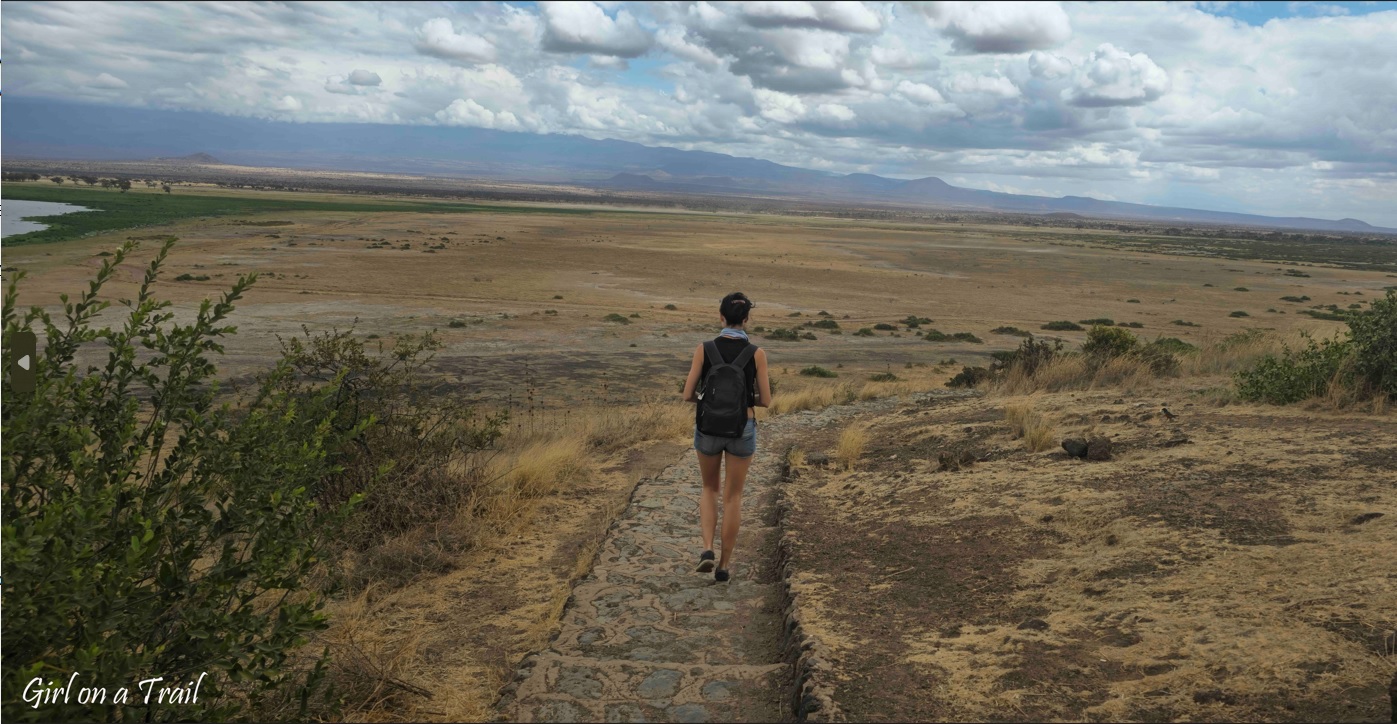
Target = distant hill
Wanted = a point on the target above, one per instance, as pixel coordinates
(34, 128)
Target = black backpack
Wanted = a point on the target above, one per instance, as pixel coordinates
(724, 397)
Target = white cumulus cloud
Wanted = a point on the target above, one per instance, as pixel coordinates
(583, 27)
(1000, 27)
(1113, 77)
(437, 37)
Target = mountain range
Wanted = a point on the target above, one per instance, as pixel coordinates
(44, 129)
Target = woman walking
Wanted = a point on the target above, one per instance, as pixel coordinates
(728, 381)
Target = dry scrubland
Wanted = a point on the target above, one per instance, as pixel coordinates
(1211, 570)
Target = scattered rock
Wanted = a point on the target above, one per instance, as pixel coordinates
(1034, 624)
(1119, 401)
(1046, 519)
(1176, 441)
(1105, 418)
(969, 429)
(816, 459)
(1364, 518)
(1099, 448)
(957, 459)
(1212, 696)
(1075, 447)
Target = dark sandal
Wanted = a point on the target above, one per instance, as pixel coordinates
(706, 562)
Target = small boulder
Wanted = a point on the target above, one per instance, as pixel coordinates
(1364, 518)
(1099, 448)
(1034, 624)
(816, 459)
(1075, 447)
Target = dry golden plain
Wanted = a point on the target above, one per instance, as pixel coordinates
(533, 289)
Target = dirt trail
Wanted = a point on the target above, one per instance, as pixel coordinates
(645, 638)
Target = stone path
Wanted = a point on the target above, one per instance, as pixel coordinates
(645, 638)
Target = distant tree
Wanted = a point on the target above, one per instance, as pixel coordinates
(57, 179)
(166, 187)
(107, 183)
(33, 177)
(150, 184)
(125, 185)
(90, 180)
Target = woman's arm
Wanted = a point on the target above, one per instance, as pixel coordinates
(695, 369)
(763, 382)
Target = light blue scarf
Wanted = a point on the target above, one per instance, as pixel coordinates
(734, 333)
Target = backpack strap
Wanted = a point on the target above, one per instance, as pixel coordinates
(710, 351)
(744, 356)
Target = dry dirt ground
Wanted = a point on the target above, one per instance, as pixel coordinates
(533, 291)
(1236, 563)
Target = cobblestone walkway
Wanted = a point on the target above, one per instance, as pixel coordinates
(645, 638)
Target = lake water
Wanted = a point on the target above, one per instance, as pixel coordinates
(16, 211)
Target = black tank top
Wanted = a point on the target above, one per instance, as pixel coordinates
(729, 348)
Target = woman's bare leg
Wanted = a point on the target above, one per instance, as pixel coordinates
(708, 498)
(732, 504)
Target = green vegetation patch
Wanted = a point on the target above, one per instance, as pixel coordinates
(818, 371)
(615, 319)
(1012, 331)
(1063, 326)
(113, 210)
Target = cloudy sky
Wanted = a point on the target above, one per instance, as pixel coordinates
(1275, 108)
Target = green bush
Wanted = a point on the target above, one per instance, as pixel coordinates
(783, 335)
(864, 332)
(1014, 331)
(1104, 343)
(818, 371)
(456, 323)
(1240, 289)
(825, 324)
(150, 525)
(1132, 325)
(1031, 354)
(885, 327)
(1239, 313)
(970, 377)
(1174, 345)
(913, 321)
(671, 307)
(1132, 301)
(1063, 326)
(1099, 320)
(615, 319)
(1374, 334)
(933, 335)
(883, 377)
(1364, 360)
(1294, 375)
(1295, 299)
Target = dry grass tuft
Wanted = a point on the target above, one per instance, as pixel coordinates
(795, 458)
(812, 398)
(851, 445)
(546, 468)
(1038, 432)
(372, 667)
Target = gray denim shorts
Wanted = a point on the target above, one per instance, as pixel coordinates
(743, 447)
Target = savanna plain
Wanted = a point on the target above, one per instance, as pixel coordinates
(1225, 559)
